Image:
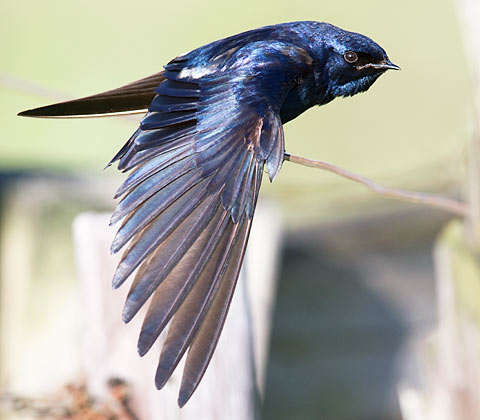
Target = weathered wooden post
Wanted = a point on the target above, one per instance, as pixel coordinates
(452, 357)
(235, 376)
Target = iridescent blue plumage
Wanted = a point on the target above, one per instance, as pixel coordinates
(214, 122)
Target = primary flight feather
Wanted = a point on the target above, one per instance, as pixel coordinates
(213, 124)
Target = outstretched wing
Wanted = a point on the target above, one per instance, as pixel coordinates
(198, 160)
(196, 164)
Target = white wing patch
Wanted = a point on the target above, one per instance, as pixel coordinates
(196, 72)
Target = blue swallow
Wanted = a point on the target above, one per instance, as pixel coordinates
(214, 121)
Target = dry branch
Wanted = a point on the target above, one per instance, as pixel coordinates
(458, 208)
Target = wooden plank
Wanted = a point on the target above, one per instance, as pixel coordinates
(235, 377)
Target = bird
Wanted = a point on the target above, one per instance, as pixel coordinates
(213, 124)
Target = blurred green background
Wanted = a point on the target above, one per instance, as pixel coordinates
(409, 129)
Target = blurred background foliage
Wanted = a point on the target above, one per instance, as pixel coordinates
(409, 129)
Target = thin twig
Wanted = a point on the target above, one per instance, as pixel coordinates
(458, 208)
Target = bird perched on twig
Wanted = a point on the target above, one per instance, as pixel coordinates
(213, 121)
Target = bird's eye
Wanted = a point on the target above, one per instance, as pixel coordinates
(350, 57)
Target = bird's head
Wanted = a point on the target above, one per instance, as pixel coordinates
(352, 62)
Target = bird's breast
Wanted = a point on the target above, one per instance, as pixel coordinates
(300, 98)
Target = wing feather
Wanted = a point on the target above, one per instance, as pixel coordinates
(187, 208)
(138, 296)
(155, 183)
(192, 311)
(206, 338)
(167, 257)
(156, 204)
(156, 232)
(172, 291)
(197, 162)
(153, 166)
(246, 184)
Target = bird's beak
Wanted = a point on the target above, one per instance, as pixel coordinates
(386, 65)
(383, 65)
